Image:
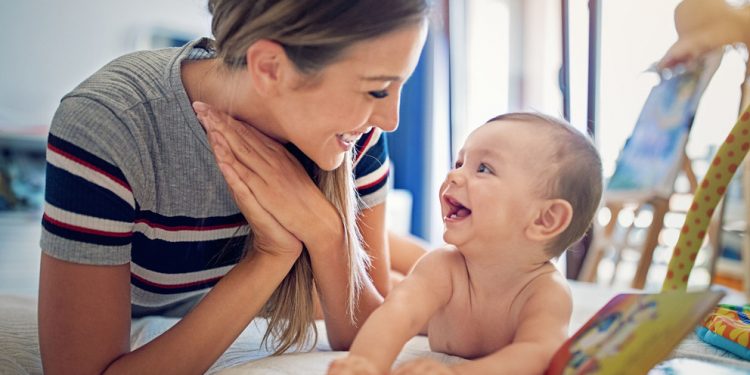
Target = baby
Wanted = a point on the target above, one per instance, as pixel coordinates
(525, 187)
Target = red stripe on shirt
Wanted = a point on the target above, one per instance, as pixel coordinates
(85, 230)
(90, 166)
(379, 180)
(364, 146)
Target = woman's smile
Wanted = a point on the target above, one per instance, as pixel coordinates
(349, 139)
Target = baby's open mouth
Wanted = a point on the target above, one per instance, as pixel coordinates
(456, 209)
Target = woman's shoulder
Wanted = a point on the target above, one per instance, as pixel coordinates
(127, 80)
(140, 77)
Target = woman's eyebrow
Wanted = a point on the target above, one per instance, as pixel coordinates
(382, 78)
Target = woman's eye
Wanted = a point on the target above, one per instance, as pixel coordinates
(380, 94)
(483, 168)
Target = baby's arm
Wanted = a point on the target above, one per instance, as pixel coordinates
(542, 329)
(403, 314)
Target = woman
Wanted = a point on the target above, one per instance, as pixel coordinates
(143, 218)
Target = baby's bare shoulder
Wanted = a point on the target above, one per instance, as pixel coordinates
(441, 266)
(445, 257)
(549, 289)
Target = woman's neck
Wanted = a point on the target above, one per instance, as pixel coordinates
(229, 91)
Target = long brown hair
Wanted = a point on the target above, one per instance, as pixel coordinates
(314, 34)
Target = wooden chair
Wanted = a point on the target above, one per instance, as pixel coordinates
(665, 124)
(618, 239)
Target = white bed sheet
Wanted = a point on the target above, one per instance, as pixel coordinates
(19, 350)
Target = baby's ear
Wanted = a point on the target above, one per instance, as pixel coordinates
(552, 218)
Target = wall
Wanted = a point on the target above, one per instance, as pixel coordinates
(50, 46)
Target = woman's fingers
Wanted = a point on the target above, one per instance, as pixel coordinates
(681, 52)
(278, 180)
(263, 185)
(225, 154)
(238, 178)
(271, 237)
(250, 145)
(702, 26)
(243, 182)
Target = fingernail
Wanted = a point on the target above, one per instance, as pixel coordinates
(213, 115)
(205, 122)
(200, 107)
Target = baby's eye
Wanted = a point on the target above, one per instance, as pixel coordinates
(483, 168)
(379, 94)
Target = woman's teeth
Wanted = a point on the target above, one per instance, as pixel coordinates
(349, 137)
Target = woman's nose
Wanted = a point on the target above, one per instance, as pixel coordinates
(385, 113)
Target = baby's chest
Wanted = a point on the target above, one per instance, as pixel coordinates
(471, 333)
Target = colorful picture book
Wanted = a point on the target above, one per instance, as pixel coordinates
(633, 332)
(650, 160)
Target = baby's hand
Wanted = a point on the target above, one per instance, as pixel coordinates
(352, 365)
(423, 366)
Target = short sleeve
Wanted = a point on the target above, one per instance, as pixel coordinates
(89, 203)
(371, 168)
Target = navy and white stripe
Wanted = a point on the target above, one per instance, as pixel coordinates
(371, 163)
(87, 199)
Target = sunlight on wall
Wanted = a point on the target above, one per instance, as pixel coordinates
(481, 63)
(488, 50)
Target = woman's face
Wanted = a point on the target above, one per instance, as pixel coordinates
(325, 117)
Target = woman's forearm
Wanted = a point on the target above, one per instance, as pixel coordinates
(371, 223)
(199, 339)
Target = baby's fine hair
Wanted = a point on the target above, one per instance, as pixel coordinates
(579, 174)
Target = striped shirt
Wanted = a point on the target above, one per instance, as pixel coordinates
(131, 179)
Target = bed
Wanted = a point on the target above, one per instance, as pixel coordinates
(19, 353)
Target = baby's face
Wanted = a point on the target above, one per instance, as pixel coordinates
(491, 192)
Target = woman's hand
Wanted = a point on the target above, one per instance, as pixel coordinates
(423, 366)
(702, 26)
(273, 176)
(270, 236)
(352, 365)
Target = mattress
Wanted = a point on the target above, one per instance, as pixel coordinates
(19, 348)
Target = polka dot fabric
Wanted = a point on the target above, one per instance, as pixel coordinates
(710, 191)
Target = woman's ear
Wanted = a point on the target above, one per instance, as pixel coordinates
(553, 218)
(265, 64)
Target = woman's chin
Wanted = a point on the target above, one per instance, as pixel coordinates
(331, 163)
